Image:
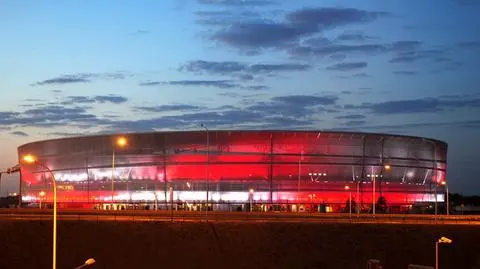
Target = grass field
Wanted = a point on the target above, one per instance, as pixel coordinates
(27, 244)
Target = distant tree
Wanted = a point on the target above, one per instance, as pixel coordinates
(347, 205)
(382, 204)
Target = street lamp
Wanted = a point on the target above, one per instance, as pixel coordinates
(41, 194)
(120, 142)
(444, 183)
(207, 162)
(347, 188)
(87, 263)
(442, 240)
(251, 199)
(374, 176)
(299, 176)
(30, 159)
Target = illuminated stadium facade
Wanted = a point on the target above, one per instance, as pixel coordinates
(231, 170)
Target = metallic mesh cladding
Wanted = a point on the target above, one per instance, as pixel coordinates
(278, 166)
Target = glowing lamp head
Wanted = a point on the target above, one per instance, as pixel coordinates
(387, 167)
(90, 261)
(29, 158)
(121, 141)
(252, 190)
(347, 187)
(444, 240)
(42, 193)
(443, 183)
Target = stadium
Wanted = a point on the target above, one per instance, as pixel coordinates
(312, 171)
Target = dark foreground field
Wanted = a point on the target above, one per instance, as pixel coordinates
(234, 245)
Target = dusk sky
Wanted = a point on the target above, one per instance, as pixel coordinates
(85, 67)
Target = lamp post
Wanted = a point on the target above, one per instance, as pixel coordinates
(373, 191)
(444, 183)
(374, 176)
(30, 159)
(41, 194)
(87, 263)
(121, 142)
(207, 163)
(171, 204)
(299, 177)
(442, 240)
(251, 199)
(347, 188)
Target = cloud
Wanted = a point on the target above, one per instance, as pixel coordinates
(355, 123)
(114, 99)
(309, 51)
(405, 45)
(301, 23)
(407, 73)
(237, 3)
(409, 56)
(140, 32)
(234, 119)
(403, 51)
(19, 133)
(256, 87)
(220, 18)
(353, 36)
(80, 78)
(268, 68)
(295, 105)
(258, 35)
(200, 66)
(347, 66)
(361, 75)
(331, 17)
(292, 111)
(351, 117)
(424, 105)
(65, 79)
(167, 108)
(241, 70)
(223, 84)
(469, 44)
(396, 128)
(49, 116)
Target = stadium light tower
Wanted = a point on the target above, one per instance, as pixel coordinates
(442, 240)
(30, 159)
(120, 142)
(207, 163)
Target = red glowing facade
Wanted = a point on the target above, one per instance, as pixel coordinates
(236, 167)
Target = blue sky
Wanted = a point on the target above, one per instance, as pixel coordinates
(84, 67)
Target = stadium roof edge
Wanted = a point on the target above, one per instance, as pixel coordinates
(237, 130)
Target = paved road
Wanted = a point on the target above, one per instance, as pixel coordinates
(191, 216)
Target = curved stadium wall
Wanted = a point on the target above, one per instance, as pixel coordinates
(297, 170)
